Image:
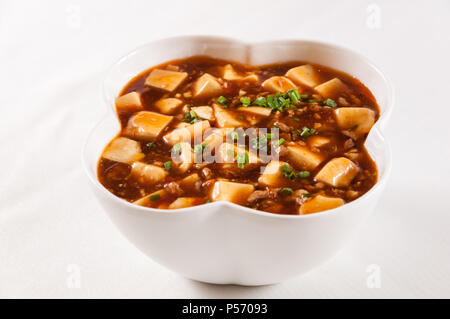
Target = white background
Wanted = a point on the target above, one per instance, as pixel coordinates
(53, 55)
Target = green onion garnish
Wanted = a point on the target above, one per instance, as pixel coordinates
(245, 101)
(329, 102)
(154, 198)
(168, 165)
(303, 174)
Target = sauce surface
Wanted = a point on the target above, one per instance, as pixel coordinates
(291, 137)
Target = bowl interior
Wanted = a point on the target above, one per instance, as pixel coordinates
(260, 53)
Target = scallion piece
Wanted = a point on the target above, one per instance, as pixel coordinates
(245, 101)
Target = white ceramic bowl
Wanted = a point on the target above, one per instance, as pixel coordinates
(221, 242)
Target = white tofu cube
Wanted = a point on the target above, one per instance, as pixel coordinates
(129, 102)
(273, 176)
(147, 173)
(320, 203)
(203, 112)
(227, 152)
(168, 106)
(187, 134)
(225, 118)
(146, 125)
(331, 89)
(216, 137)
(182, 202)
(206, 86)
(256, 110)
(339, 172)
(183, 162)
(302, 158)
(232, 192)
(189, 181)
(305, 75)
(318, 141)
(123, 150)
(230, 74)
(165, 80)
(278, 84)
(358, 119)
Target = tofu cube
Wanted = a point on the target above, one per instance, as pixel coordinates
(203, 112)
(272, 175)
(230, 74)
(278, 84)
(168, 106)
(183, 202)
(256, 110)
(206, 86)
(227, 152)
(165, 80)
(129, 102)
(318, 141)
(339, 172)
(187, 134)
(302, 158)
(225, 118)
(189, 181)
(216, 137)
(331, 89)
(147, 173)
(123, 150)
(232, 192)
(152, 199)
(305, 75)
(146, 125)
(320, 203)
(358, 119)
(184, 160)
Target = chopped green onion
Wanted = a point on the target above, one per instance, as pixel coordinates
(294, 95)
(303, 174)
(222, 100)
(155, 197)
(287, 172)
(307, 132)
(245, 101)
(168, 165)
(296, 119)
(176, 149)
(269, 135)
(260, 101)
(234, 135)
(329, 102)
(198, 149)
(239, 118)
(303, 96)
(312, 101)
(307, 195)
(242, 159)
(280, 141)
(286, 191)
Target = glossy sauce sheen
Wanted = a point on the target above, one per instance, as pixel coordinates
(116, 177)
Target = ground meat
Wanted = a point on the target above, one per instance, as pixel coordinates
(257, 195)
(283, 127)
(348, 144)
(174, 188)
(208, 183)
(207, 173)
(342, 101)
(297, 196)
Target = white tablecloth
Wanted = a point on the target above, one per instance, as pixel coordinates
(55, 240)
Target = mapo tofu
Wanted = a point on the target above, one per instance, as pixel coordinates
(284, 138)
